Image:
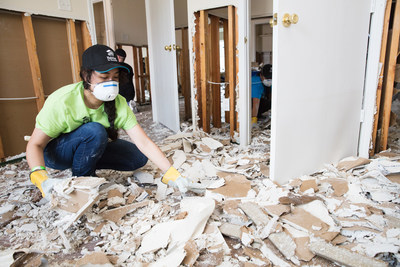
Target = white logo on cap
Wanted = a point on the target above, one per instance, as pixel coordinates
(111, 56)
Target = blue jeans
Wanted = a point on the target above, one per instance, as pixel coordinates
(87, 148)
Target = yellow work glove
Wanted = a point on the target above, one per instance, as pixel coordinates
(40, 178)
(173, 178)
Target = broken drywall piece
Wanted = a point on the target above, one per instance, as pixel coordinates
(277, 210)
(307, 184)
(192, 253)
(99, 259)
(285, 244)
(173, 258)
(232, 213)
(179, 232)
(342, 255)
(172, 146)
(269, 254)
(211, 143)
(297, 199)
(178, 158)
(253, 253)
(340, 186)
(187, 146)
(349, 163)
(116, 214)
(161, 190)
(319, 210)
(264, 169)
(302, 250)
(216, 240)
(255, 213)
(144, 177)
(208, 168)
(231, 230)
(236, 185)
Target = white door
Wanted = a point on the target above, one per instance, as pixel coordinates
(318, 77)
(163, 72)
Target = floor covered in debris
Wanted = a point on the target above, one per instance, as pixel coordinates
(345, 214)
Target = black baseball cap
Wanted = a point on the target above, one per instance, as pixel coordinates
(100, 58)
(120, 52)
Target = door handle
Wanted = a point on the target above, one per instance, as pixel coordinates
(287, 19)
(168, 48)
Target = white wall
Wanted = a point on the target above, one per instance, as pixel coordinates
(180, 10)
(79, 8)
(130, 21)
(261, 8)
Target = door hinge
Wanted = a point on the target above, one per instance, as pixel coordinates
(362, 116)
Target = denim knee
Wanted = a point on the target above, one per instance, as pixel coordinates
(96, 133)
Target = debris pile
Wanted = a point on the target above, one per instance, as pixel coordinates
(347, 213)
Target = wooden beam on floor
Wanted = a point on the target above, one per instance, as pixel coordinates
(389, 78)
(73, 50)
(215, 72)
(380, 81)
(203, 72)
(33, 60)
(86, 38)
(136, 71)
(185, 73)
(232, 67)
(197, 70)
(226, 51)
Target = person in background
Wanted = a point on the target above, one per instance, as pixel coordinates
(126, 88)
(266, 78)
(257, 89)
(78, 126)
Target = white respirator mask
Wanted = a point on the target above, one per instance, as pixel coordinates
(106, 91)
(267, 82)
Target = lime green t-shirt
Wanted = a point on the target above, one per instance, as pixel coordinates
(65, 110)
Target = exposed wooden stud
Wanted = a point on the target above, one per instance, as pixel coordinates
(236, 53)
(380, 81)
(203, 72)
(389, 78)
(215, 72)
(33, 60)
(136, 71)
(148, 71)
(73, 50)
(86, 39)
(185, 73)
(197, 69)
(226, 51)
(232, 67)
(142, 88)
(1, 150)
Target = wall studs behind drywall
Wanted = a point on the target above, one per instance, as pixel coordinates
(203, 70)
(1, 150)
(380, 81)
(33, 60)
(73, 50)
(185, 73)
(389, 78)
(232, 67)
(86, 39)
(136, 71)
(215, 76)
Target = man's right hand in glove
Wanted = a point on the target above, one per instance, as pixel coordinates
(40, 178)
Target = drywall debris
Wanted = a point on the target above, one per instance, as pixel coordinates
(211, 143)
(255, 213)
(178, 158)
(309, 184)
(269, 254)
(99, 259)
(297, 199)
(116, 214)
(192, 253)
(351, 163)
(285, 244)
(342, 255)
(144, 177)
(236, 185)
(231, 230)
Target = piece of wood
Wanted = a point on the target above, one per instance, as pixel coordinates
(1, 150)
(136, 71)
(226, 52)
(147, 60)
(232, 68)
(33, 60)
(343, 256)
(142, 88)
(380, 80)
(86, 38)
(389, 78)
(197, 71)
(185, 73)
(73, 50)
(215, 72)
(203, 27)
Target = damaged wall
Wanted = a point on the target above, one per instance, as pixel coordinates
(74, 9)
